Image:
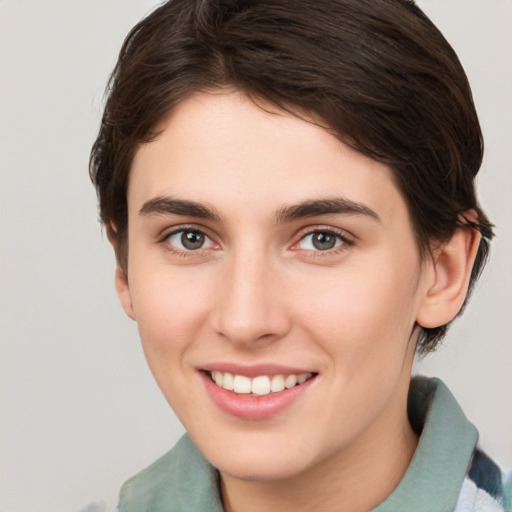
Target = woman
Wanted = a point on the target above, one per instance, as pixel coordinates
(289, 190)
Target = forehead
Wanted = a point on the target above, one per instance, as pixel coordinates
(225, 149)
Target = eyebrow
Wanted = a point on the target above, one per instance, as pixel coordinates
(169, 205)
(317, 207)
(304, 209)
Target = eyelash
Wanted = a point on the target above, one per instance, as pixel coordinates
(164, 239)
(346, 241)
(343, 237)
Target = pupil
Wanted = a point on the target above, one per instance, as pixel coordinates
(192, 240)
(324, 241)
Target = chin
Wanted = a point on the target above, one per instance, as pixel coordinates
(261, 470)
(263, 459)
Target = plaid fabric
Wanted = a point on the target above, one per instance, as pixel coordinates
(486, 488)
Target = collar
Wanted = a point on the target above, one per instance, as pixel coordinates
(435, 475)
(184, 481)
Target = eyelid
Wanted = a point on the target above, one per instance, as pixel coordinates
(347, 238)
(167, 232)
(164, 236)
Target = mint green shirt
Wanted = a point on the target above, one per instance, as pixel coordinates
(184, 481)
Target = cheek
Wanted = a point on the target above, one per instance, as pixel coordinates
(170, 309)
(364, 318)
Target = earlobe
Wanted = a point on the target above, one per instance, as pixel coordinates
(451, 268)
(123, 292)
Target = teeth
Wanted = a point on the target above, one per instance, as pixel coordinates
(218, 378)
(290, 381)
(303, 377)
(241, 384)
(227, 381)
(277, 383)
(259, 386)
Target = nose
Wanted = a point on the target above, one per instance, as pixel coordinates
(250, 309)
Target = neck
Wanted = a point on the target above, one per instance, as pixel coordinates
(356, 478)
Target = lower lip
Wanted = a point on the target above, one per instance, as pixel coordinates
(254, 407)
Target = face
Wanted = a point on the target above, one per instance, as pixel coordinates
(268, 256)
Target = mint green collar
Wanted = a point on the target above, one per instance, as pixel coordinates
(434, 478)
(183, 481)
(180, 481)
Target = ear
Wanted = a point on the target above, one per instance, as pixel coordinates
(123, 292)
(448, 280)
(121, 279)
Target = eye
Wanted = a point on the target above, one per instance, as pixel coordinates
(189, 240)
(321, 241)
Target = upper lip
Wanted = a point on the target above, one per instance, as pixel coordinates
(255, 370)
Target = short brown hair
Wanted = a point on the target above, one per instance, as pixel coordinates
(377, 72)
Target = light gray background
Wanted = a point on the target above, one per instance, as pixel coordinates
(79, 410)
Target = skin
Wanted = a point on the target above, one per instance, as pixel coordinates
(258, 292)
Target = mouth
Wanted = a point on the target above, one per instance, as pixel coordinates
(260, 385)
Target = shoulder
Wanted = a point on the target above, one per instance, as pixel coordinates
(180, 481)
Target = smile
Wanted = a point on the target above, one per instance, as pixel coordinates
(257, 392)
(260, 385)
